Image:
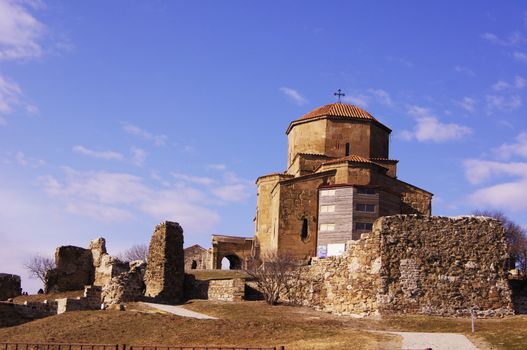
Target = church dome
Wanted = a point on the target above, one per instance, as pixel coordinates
(338, 110)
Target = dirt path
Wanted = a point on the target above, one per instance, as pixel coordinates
(180, 311)
(436, 341)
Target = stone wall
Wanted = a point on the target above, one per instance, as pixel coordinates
(196, 258)
(74, 269)
(413, 264)
(164, 276)
(217, 290)
(9, 286)
(127, 286)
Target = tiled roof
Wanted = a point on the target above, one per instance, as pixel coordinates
(352, 158)
(339, 110)
(384, 160)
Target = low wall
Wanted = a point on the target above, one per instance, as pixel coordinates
(217, 290)
(413, 264)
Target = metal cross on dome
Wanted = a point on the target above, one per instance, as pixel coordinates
(339, 94)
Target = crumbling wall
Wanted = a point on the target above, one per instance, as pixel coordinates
(106, 266)
(9, 286)
(91, 300)
(74, 269)
(217, 290)
(443, 266)
(413, 264)
(127, 286)
(164, 276)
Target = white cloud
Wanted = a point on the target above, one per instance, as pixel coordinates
(200, 180)
(478, 171)
(503, 103)
(23, 160)
(512, 40)
(518, 83)
(118, 197)
(464, 70)
(234, 189)
(468, 104)
(19, 31)
(520, 56)
(106, 155)
(381, 96)
(10, 94)
(429, 128)
(294, 95)
(138, 156)
(510, 195)
(217, 166)
(519, 148)
(158, 140)
(359, 100)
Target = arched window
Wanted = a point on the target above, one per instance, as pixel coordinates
(194, 265)
(347, 149)
(304, 233)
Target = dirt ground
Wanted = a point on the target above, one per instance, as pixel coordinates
(256, 323)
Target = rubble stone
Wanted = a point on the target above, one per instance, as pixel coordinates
(127, 286)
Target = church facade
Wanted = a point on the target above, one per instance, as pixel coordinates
(339, 179)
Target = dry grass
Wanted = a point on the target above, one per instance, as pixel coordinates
(508, 333)
(256, 323)
(51, 296)
(260, 325)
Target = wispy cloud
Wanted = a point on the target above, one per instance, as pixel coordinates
(361, 100)
(157, 139)
(518, 148)
(24, 160)
(518, 83)
(117, 197)
(520, 56)
(20, 32)
(503, 102)
(512, 40)
(465, 70)
(428, 128)
(106, 155)
(218, 166)
(200, 180)
(138, 156)
(382, 96)
(10, 94)
(400, 60)
(294, 95)
(468, 104)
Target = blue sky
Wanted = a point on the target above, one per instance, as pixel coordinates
(115, 115)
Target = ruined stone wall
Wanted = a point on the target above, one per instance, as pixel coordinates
(413, 264)
(9, 286)
(127, 286)
(74, 269)
(344, 285)
(164, 276)
(217, 290)
(443, 266)
(196, 258)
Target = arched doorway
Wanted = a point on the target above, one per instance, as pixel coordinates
(194, 265)
(231, 262)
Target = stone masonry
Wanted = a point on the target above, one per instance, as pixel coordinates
(127, 286)
(215, 289)
(9, 286)
(413, 264)
(74, 269)
(164, 276)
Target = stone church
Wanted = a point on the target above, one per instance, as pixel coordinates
(339, 179)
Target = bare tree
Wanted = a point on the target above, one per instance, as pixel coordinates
(38, 265)
(273, 275)
(136, 252)
(516, 236)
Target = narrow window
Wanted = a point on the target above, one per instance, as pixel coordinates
(327, 209)
(363, 226)
(365, 190)
(326, 193)
(194, 265)
(347, 149)
(304, 232)
(369, 208)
